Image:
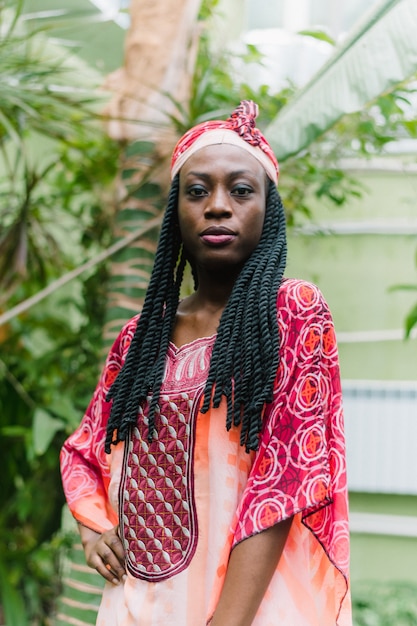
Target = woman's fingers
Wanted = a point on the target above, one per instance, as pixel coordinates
(105, 553)
(106, 570)
(116, 546)
(110, 563)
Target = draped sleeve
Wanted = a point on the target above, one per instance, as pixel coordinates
(84, 464)
(300, 465)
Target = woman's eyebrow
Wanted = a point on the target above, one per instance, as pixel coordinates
(230, 175)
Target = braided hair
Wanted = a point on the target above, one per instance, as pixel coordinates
(245, 354)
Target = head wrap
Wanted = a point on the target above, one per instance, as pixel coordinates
(238, 130)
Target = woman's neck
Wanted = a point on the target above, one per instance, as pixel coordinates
(199, 315)
(214, 288)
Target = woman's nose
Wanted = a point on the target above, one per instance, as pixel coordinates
(218, 203)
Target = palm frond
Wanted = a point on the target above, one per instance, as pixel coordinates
(380, 54)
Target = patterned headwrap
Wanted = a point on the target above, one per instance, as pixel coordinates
(238, 130)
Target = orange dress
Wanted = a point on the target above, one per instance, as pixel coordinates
(186, 499)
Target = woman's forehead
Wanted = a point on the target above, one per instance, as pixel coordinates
(222, 155)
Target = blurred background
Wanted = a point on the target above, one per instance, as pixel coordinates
(93, 97)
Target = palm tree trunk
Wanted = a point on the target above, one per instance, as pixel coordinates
(160, 53)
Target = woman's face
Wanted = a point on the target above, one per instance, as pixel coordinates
(221, 209)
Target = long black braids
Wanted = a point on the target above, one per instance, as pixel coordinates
(143, 369)
(245, 355)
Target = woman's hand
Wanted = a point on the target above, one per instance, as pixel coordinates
(104, 553)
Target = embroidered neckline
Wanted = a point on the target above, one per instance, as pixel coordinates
(192, 345)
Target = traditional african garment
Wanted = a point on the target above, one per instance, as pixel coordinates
(186, 499)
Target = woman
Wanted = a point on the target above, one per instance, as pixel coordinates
(208, 474)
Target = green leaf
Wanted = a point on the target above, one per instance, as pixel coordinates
(44, 429)
(147, 190)
(128, 173)
(14, 431)
(253, 55)
(379, 55)
(410, 321)
(139, 147)
(64, 408)
(318, 34)
(10, 599)
(403, 288)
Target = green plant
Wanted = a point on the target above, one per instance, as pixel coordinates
(385, 604)
(411, 318)
(56, 171)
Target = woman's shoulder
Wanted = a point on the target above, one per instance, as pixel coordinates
(125, 336)
(130, 325)
(299, 290)
(301, 305)
(301, 298)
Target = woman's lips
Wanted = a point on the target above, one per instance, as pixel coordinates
(217, 240)
(217, 236)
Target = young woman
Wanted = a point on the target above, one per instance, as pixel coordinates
(208, 473)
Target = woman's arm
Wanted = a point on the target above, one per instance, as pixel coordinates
(104, 553)
(85, 468)
(251, 566)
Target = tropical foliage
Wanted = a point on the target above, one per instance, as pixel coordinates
(56, 169)
(364, 96)
(359, 71)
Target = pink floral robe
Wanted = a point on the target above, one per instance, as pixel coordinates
(185, 500)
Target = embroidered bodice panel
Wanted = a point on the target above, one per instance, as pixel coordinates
(158, 518)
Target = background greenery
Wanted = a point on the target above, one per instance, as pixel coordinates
(58, 208)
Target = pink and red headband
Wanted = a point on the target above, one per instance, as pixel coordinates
(238, 130)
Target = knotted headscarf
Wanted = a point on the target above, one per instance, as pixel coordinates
(238, 130)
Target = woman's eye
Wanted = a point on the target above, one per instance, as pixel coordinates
(241, 191)
(197, 191)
